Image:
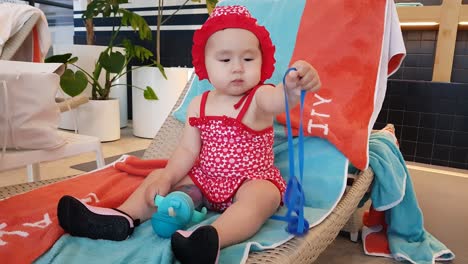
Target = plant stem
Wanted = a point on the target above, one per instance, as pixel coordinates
(97, 88)
(161, 22)
(158, 31)
(89, 29)
(137, 67)
(107, 85)
(128, 85)
(167, 18)
(114, 36)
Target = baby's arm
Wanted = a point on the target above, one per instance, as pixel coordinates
(182, 159)
(184, 156)
(271, 99)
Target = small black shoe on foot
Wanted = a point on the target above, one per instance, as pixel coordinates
(201, 247)
(75, 218)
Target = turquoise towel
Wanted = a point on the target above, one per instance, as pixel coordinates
(142, 247)
(323, 185)
(393, 191)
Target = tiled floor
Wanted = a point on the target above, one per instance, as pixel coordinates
(61, 168)
(442, 197)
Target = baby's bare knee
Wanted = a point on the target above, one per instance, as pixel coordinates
(261, 192)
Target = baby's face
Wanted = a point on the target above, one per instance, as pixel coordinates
(233, 60)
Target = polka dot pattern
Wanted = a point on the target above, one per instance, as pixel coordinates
(232, 153)
(230, 10)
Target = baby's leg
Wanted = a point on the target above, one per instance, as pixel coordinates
(255, 202)
(135, 204)
(83, 220)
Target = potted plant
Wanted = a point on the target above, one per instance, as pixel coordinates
(111, 64)
(148, 117)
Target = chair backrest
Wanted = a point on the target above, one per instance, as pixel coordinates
(23, 38)
(165, 141)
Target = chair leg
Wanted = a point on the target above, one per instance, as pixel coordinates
(34, 172)
(99, 158)
(354, 236)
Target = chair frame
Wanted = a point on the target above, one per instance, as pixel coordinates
(304, 249)
(75, 144)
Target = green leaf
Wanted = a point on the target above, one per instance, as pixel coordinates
(210, 4)
(149, 94)
(61, 58)
(113, 62)
(137, 22)
(106, 12)
(161, 69)
(72, 60)
(105, 8)
(136, 51)
(94, 8)
(73, 83)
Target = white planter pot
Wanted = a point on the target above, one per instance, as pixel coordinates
(149, 115)
(67, 119)
(87, 56)
(99, 118)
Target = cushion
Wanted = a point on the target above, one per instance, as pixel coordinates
(29, 115)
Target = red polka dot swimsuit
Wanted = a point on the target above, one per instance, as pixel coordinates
(231, 153)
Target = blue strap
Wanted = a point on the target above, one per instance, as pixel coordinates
(288, 125)
(294, 195)
(301, 137)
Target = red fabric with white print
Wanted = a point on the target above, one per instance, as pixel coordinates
(231, 153)
(229, 10)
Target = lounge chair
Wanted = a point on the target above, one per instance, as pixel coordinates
(297, 250)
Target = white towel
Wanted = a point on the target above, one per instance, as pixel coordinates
(13, 17)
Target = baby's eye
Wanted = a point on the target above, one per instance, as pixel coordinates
(224, 60)
(248, 59)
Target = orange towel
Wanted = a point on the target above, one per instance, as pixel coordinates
(376, 243)
(345, 41)
(37, 57)
(136, 166)
(28, 222)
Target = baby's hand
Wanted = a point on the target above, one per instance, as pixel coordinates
(305, 78)
(160, 186)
